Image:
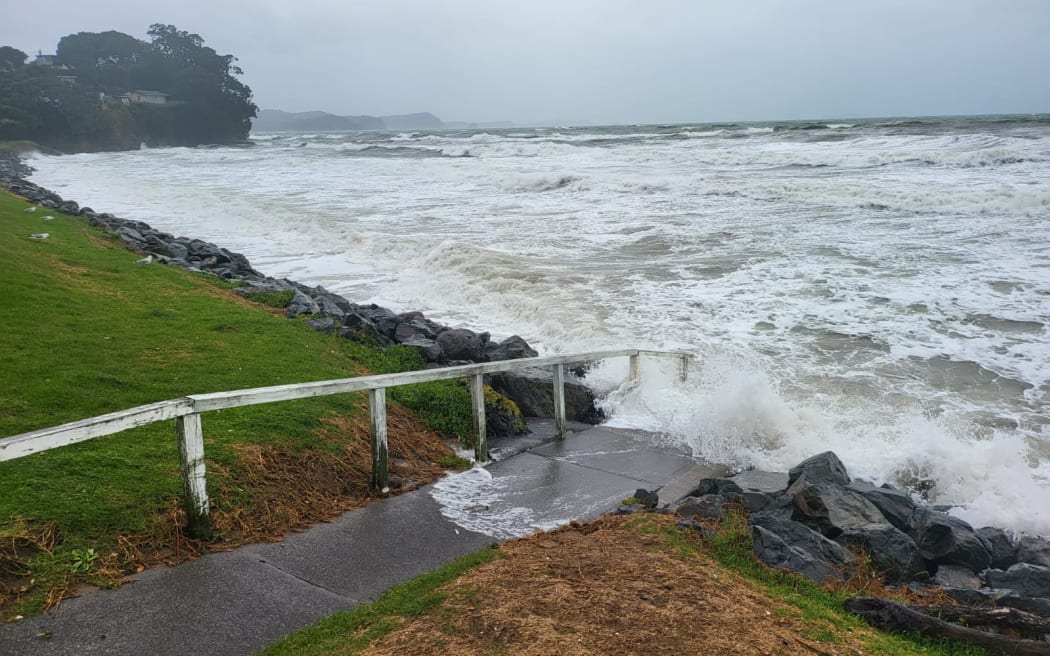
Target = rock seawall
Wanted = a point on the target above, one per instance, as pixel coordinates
(817, 521)
(438, 344)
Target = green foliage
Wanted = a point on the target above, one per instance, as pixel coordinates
(207, 103)
(83, 560)
(351, 632)
(11, 58)
(455, 463)
(274, 298)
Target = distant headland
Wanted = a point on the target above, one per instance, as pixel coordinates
(275, 120)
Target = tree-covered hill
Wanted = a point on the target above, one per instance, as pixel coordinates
(111, 91)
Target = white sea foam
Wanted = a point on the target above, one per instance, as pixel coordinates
(883, 293)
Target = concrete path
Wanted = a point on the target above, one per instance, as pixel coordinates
(235, 603)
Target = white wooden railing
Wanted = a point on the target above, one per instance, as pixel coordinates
(186, 412)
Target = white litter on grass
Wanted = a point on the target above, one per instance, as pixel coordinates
(39, 236)
(47, 218)
(29, 209)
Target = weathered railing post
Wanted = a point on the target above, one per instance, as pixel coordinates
(380, 452)
(477, 396)
(194, 484)
(635, 374)
(559, 400)
(683, 367)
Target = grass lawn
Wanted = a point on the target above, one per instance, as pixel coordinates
(84, 330)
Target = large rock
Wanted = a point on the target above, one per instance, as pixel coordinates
(708, 506)
(944, 539)
(533, 390)
(1033, 549)
(833, 509)
(893, 554)
(896, 506)
(821, 468)
(502, 416)
(461, 344)
(784, 544)
(512, 348)
(301, 304)
(1001, 547)
(754, 489)
(1024, 579)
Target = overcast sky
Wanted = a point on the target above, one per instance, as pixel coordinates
(616, 61)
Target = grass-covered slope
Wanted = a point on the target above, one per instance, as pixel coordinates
(85, 330)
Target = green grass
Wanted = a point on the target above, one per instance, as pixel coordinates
(17, 147)
(350, 632)
(86, 331)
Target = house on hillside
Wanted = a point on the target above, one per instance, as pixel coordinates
(143, 96)
(44, 60)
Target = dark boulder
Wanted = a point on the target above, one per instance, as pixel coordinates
(755, 489)
(832, 509)
(895, 505)
(512, 348)
(1033, 549)
(428, 348)
(1024, 579)
(648, 498)
(461, 344)
(502, 416)
(413, 329)
(533, 390)
(322, 324)
(947, 540)
(1001, 547)
(708, 506)
(893, 554)
(821, 468)
(301, 304)
(784, 544)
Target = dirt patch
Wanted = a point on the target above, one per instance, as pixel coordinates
(613, 587)
(291, 491)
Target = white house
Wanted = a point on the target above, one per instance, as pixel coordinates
(143, 96)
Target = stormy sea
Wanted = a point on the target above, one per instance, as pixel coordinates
(880, 288)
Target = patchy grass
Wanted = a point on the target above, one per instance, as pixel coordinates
(86, 331)
(349, 632)
(617, 586)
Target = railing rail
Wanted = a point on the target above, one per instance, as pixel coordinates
(187, 410)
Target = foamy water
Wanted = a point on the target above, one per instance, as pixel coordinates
(881, 289)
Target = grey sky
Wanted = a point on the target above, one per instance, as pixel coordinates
(603, 60)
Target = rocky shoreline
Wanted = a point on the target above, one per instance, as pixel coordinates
(818, 522)
(438, 344)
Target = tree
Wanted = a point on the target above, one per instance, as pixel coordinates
(102, 59)
(11, 58)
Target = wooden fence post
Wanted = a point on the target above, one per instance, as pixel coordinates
(380, 455)
(559, 400)
(194, 484)
(683, 367)
(635, 374)
(477, 396)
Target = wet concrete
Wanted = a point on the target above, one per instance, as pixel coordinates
(235, 603)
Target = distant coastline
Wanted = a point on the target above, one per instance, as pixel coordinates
(275, 120)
